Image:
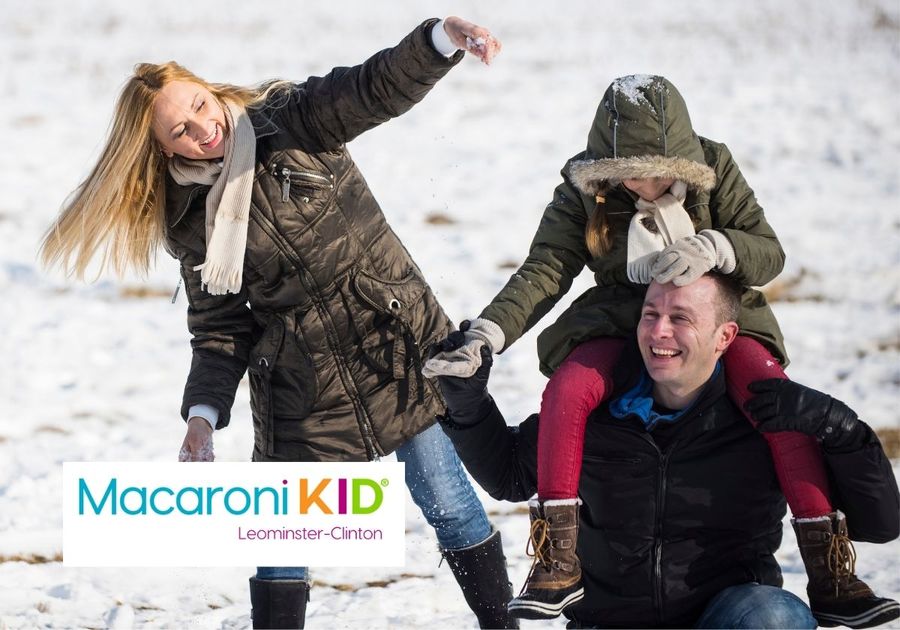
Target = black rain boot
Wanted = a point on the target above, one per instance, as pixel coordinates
(480, 571)
(278, 603)
(836, 596)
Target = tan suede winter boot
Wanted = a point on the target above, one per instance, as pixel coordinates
(555, 578)
(836, 596)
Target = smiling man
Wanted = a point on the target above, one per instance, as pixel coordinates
(681, 510)
(682, 334)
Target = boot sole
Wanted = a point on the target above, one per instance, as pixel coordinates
(887, 611)
(530, 609)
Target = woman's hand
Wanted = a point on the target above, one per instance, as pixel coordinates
(476, 39)
(197, 445)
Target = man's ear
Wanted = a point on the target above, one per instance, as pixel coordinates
(725, 335)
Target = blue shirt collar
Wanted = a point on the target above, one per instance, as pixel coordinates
(638, 402)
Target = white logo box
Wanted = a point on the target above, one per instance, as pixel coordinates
(175, 514)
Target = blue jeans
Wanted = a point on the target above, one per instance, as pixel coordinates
(756, 606)
(439, 486)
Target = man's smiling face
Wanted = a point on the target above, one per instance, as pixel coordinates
(680, 339)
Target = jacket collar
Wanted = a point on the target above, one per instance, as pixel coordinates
(638, 402)
(627, 374)
(262, 121)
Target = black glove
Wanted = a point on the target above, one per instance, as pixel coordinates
(782, 405)
(468, 401)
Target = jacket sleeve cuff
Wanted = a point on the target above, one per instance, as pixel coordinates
(207, 412)
(426, 36)
(726, 261)
(441, 41)
(490, 332)
(472, 417)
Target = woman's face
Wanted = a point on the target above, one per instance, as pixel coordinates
(189, 121)
(649, 189)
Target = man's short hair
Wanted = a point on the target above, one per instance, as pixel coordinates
(728, 297)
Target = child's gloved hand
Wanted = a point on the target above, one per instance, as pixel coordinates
(688, 258)
(462, 357)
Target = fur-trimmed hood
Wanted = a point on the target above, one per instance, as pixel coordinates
(641, 129)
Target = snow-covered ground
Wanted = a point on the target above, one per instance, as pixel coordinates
(804, 94)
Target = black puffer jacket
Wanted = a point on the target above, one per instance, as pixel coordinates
(333, 312)
(672, 517)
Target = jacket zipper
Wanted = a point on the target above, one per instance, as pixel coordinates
(288, 176)
(658, 546)
(656, 556)
(365, 426)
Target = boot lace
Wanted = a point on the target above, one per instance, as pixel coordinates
(537, 547)
(841, 559)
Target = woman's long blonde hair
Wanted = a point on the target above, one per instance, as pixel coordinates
(120, 207)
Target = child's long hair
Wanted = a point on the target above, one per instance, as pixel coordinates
(120, 207)
(596, 232)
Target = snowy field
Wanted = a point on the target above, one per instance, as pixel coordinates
(803, 92)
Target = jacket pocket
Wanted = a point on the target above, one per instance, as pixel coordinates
(617, 460)
(283, 385)
(308, 189)
(389, 328)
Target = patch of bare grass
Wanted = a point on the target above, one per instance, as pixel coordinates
(439, 218)
(143, 293)
(29, 120)
(352, 588)
(49, 428)
(31, 558)
(790, 289)
(891, 344)
(885, 22)
(890, 440)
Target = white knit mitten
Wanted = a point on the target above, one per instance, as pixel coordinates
(463, 361)
(688, 258)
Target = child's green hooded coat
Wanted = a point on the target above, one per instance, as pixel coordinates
(641, 129)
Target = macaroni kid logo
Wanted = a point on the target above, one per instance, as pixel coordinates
(225, 514)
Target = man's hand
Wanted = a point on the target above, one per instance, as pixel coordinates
(467, 398)
(782, 405)
(197, 445)
(473, 38)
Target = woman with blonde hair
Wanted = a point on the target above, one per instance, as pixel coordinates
(293, 274)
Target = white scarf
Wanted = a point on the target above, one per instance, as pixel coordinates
(656, 225)
(227, 202)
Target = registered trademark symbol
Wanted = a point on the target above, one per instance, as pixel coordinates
(384, 482)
